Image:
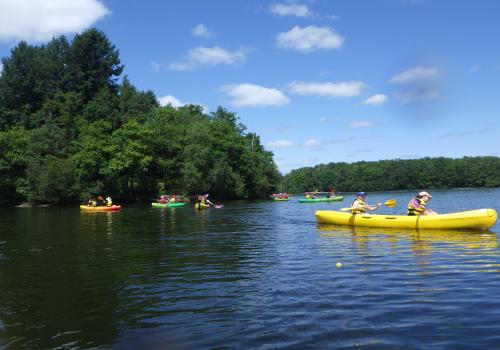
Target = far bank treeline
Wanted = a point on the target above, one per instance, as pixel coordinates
(69, 130)
(389, 175)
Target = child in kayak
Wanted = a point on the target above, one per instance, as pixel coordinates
(417, 205)
(359, 205)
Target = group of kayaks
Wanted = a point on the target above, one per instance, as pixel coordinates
(198, 206)
(312, 200)
(471, 219)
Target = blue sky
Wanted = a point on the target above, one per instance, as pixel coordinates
(320, 81)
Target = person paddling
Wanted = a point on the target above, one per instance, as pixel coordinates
(418, 205)
(163, 200)
(359, 205)
(207, 200)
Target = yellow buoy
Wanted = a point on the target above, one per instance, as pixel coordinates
(339, 264)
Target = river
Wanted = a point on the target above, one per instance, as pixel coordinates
(254, 274)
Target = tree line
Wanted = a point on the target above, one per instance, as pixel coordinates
(398, 174)
(69, 130)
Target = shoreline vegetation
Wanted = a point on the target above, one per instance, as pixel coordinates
(397, 175)
(70, 130)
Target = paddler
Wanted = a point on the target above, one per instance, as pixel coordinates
(359, 205)
(207, 200)
(417, 205)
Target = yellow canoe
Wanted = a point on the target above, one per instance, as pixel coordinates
(480, 218)
(100, 208)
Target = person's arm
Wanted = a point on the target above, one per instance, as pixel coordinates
(373, 207)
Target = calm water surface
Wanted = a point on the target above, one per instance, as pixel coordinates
(255, 274)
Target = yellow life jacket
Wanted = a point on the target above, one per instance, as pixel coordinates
(418, 210)
(358, 210)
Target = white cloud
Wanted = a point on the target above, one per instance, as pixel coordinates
(361, 124)
(323, 120)
(415, 74)
(342, 89)
(375, 100)
(312, 143)
(475, 68)
(201, 31)
(290, 10)
(250, 95)
(176, 103)
(280, 144)
(417, 95)
(170, 100)
(41, 20)
(208, 56)
(310, 39)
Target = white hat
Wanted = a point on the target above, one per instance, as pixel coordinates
(423, 193)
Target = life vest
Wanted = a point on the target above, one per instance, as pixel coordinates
(163, 200)
(109, 202)
(418, 210)
(358, 210)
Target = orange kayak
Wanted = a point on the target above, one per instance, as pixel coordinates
(100, 208)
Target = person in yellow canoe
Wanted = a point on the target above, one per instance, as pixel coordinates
(92, 202)
(359, 205)
(108, 201)
(418, 205)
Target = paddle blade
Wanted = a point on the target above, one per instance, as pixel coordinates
(390, 203)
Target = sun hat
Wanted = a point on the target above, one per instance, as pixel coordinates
(423, 193)
(360, 194)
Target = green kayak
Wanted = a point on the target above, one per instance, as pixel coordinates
(168, 205)
(322, 199)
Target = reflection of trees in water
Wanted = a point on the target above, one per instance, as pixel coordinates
(198, 266)
(58, 280)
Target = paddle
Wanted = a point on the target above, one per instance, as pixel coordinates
(388, 203)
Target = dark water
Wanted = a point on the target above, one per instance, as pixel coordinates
(251, 275)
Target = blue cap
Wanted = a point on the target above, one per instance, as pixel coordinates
(360, 194)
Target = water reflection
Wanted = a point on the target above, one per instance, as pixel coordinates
(425, 238)
(96, 221)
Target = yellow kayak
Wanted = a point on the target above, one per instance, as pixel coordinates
(480, 218)
(199, 206)
(100, 208)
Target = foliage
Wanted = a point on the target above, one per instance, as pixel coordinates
(389, 175)
(69, 130)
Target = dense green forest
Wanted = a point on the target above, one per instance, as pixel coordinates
(389, 175)
(71, 126)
